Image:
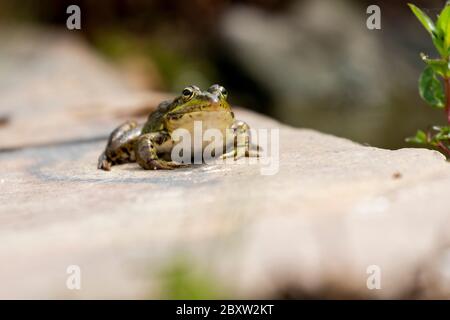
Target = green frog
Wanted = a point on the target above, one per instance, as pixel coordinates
(150, 144)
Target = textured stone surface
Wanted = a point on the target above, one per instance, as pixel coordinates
(333, 209)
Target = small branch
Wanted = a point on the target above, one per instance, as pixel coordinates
(444, 149)
(447, 98)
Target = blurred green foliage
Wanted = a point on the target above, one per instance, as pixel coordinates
(172, 64)
(181, 280)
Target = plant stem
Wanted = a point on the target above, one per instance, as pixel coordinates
(444, 149)
(447, 98)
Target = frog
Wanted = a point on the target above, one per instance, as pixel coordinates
(150, 144)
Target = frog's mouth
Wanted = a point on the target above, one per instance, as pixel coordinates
(210, 105)
(208, 119)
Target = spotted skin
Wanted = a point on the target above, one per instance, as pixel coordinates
(121, 146)
(150, 144)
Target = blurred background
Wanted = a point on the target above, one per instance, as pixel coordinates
(307, 63)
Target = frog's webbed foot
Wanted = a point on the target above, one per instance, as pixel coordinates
(103, 162)
(242, 146)
(147, 154)
(119, 148)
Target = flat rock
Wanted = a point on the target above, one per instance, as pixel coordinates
(333, 211)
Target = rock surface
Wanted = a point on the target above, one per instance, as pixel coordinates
(333, 211)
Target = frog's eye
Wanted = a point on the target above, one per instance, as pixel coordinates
(187, 93)
(223, 91)
(214, 88)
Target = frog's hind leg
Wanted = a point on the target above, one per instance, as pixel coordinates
(120, 146)
(146, 149)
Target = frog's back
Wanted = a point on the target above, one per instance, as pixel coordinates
(155, 121)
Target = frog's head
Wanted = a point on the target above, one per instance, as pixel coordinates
(210, 107)
(193, 100)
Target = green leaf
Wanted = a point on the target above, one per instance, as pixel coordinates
(443, 24)
(445, 129)
(424, 19)
(439, 45)
(420, 137)
(443, 133)
(431, 89)
(437, 35)
(440, 66)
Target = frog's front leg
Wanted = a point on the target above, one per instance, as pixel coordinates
(146, 150)
(241, 145)
(120, 146)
